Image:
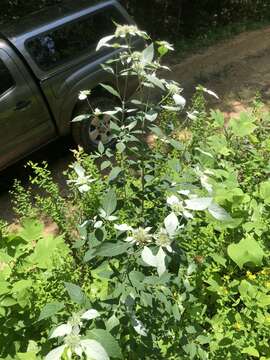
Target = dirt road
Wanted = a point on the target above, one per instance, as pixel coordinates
(235, 69)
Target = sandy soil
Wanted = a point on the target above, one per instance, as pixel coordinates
(235, 69)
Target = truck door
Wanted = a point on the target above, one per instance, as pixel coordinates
(25, 121)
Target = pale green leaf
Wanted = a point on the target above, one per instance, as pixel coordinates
(94, 350)
(246, 251)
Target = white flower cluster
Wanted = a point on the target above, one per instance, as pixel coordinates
(73, 344)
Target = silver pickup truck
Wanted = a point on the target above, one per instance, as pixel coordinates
(45, 60)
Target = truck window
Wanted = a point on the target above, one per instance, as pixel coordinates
(73, 39)
(6, 80)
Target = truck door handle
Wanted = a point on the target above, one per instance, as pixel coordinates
(21, 105)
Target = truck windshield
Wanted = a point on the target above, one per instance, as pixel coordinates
(73, 39)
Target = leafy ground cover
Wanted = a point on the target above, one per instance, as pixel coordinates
(163, 247)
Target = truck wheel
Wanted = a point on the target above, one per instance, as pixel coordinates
(89, 132)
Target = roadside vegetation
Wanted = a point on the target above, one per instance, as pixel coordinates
(162, 248)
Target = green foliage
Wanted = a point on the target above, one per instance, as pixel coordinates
(170, 244)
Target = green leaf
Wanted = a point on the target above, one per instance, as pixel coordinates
(251, 351)
(101, 147)
(219, 212)
(114, 173)
(247, 250)
(75, 293)
(112, 323)
(32, 230)
(148, 54)
(104, 41)
(4, 287)
(81, 117)
(199, 204)
(29, 355)
(46, 250)
(110, 249)
(265, 191)
(107, 341)
(243, 126)
(8, 301)
(105, 164)
(120, 147)
(155, 81)
(109, 202)
(218, 118)
(111, 90)
(94, 350)
(50, 309)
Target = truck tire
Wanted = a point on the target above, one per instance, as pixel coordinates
(89, 132)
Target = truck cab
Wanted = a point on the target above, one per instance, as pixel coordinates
(45, 60)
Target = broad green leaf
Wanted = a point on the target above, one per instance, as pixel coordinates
(94, 350)
(198, 204)
(251, 351)
(265, 191)
(8, 301)
(112, 323)
(219, 144)
(218, 118)
(81, 117)
(104, 41)
(111, 90)
(148, 54)
(50, 309)
(105, 164)
(263, 300)
(47, 248)
(107, 341)
(219, 213)
(110, 249)
(90, 314)
(56, 353)
(120, 147)
(61, 330)
(243, 126)
(155, 81)
(4, 287)
(109, 202)
(247, 250)
(21, 285)
(32, 230)
(114, 173)
(75, 293)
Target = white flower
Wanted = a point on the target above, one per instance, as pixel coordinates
(163, 239)
(83, 94)
(166, 45)
(123, 31)
(83, 181)
(97, 112)
(73, 344)
(173, 87)
(140, 236)
(178, 207)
